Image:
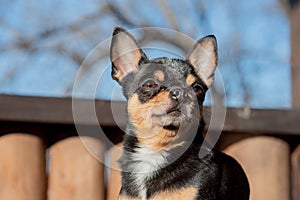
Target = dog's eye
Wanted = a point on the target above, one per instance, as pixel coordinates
(198, 88)
(150, 84)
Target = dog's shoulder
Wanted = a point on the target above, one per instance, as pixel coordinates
(233, 174)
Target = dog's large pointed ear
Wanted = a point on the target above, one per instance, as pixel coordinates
(125, 54)
(204, 58)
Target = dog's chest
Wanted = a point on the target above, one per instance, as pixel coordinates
(146, 164)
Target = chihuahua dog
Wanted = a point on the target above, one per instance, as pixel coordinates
(165, 155)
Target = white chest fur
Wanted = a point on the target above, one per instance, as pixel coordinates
(147, 162)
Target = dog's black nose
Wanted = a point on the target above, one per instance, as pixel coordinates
(177, 94)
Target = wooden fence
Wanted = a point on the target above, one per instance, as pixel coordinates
(42, 157)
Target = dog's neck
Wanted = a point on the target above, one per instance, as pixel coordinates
(141, 163)
(164, 138)
(141, 151)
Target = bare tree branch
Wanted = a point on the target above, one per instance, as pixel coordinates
(119, 14)
(30, 43)
(168, 12)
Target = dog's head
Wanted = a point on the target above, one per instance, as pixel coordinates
(163, 94)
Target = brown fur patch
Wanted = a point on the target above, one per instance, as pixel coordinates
(189, 193)
(190, 79)
(159, 139)
(141, 113)
(149, 131)
(159, 75)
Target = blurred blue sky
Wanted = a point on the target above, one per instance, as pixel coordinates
(42, 44)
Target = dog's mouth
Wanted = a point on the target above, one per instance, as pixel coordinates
(171, 118)
(174, 111)
(171, 127)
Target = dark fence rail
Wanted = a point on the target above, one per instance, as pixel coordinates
(59, 111)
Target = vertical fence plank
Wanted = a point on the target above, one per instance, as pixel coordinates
(266, 163)
(74, 172)
(295, 49)
(22, 167)
(296, 173)
(114, 181)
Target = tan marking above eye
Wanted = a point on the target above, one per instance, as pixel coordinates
(190, 79)
(159, 75)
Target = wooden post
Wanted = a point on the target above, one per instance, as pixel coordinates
(75, 173)
(295, 174)
(295, 74)
(295, 51)
(22, 167)
(266, 163)
(114, 181)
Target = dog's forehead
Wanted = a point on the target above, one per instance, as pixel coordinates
(167, 69)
